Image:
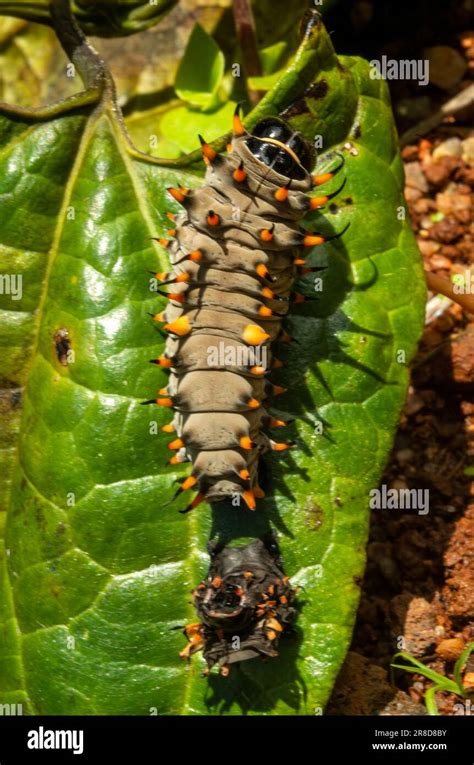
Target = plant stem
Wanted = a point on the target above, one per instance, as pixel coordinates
(245, 29)
(445, 287)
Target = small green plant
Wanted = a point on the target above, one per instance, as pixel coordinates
(441, 683)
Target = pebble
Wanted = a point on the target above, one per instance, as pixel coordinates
(446, 231)
(468, 150)
(427, 248)
(468, 681)
(450, 649)
(447, 66)
(452, 147)
(405, 455)
(414, 402)
(440, 262)
(437, 173)
(451, 202)
(415, 177)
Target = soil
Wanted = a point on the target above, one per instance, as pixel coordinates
(418, 590)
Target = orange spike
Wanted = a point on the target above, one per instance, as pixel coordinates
(192, 629)
(249, 499)
(318, 180)
(298, 298)
(245, 442)
(229, 148)
(164, 401)
(170, 215)
(274, 625)
(253, 403)
(196, 501)
(316, 202)
(195, 255)
(277, 363)
(164, 242)
(179, 327)
(257, 370)
(159, 316)
(213, 219)
(271, 634)
(265, 311)
(183, 277)
(178, 297)
(262, 270)
(277, 390)
(171, 232)
(266, 235)
(281, 194)
(311, 240)
(259, 493)
(188, 483)
(208, 152)
(254, 335)
(280, 447)
(178, 443)
(170, 428)
(237, 126)
(162, 276)
(274, 423)
(267, 292)
(176, 460)
(283, 599)
(244, 474)
(163, 391)
(216, 582)
(299, 262)
(177, 194)
(239, 175)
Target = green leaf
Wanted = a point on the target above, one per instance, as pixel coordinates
(201, 70)
(271, 56)
(99, 566)
(430, 700)
(459, 666)
(416, 667)
(182, 126)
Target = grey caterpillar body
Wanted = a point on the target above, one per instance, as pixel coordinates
(235, 253)
(234, 256)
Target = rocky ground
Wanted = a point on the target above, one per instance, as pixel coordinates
(418, 591)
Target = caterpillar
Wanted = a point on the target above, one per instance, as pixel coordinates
(235, 250)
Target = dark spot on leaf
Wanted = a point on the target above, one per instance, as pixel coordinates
(338, 501)
(333, 208)
(61, 528)
(317, 89)
(357, 132)
(314, 515)
(16, 397)
(348, 200)
(62, 346)
(297, 107)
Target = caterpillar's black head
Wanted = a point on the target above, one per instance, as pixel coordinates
(278, 146)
